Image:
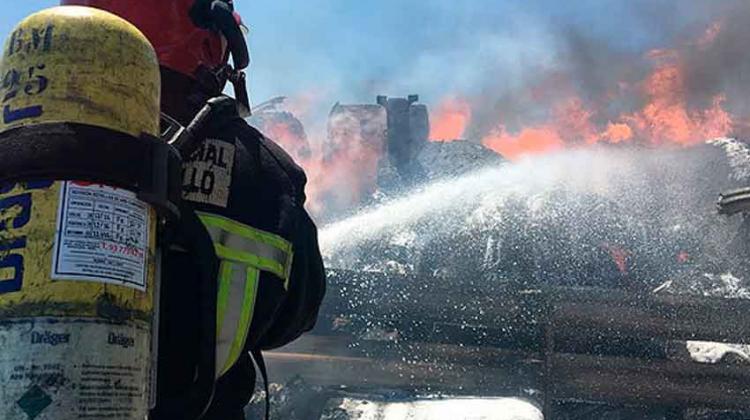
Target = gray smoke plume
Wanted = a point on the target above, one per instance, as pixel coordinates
(512, 60)
(515, 63)
(607, 74)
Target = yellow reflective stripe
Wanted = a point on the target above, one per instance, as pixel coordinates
(244, 251)
(246, 317)
(237, 242)
(225, 278)
(246, 231)
(227, 331)
(226, 253)
(250, 246)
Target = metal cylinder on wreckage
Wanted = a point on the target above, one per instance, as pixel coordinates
(78, 272)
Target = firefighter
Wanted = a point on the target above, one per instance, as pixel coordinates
(249, 195)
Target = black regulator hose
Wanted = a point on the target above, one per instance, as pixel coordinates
(222, 16)
(218, 15)
(187, 140)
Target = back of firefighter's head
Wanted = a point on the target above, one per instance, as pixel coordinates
(192, 38)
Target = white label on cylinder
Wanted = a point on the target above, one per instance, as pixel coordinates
(102, 236)
(65, 368)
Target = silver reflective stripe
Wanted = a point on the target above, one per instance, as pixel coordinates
(239, 243)
(229, 329)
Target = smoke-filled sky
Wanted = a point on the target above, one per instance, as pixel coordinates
(353, 50)
(438, 46)
(517, 75)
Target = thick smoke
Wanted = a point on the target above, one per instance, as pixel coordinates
(522, 78)
(513, 63)
(724, 66)
(612, 80)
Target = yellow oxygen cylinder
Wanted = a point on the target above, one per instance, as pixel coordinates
(80, 203)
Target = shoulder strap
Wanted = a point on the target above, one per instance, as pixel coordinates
(72, 151)
(260, 362)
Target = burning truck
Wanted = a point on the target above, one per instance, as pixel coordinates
(591, 283)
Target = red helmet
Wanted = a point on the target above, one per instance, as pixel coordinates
(187, 34)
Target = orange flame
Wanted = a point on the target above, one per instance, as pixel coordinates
(571, 125)
(665, 117)
(532, 140)
(282, 133)
(339, 180)
(617, 132)
(574, 122)
(449, 121)
(344, 168)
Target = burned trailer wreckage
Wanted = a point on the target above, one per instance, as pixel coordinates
(595, 284)
(552, 347)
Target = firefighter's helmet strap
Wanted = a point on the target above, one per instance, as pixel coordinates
(68, 151)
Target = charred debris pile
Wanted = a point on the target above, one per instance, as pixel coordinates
(612, 216)
(450, 266)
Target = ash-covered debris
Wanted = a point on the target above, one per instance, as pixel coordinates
(713, 353)
(704, 414)
(298, 400)
(643, 220)
(699, 282)
(615, 218)
(348, 408)
(411, 161)
(295, 400)
(588, 411)
(480, 229)
(449, 159)
(738, 155)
